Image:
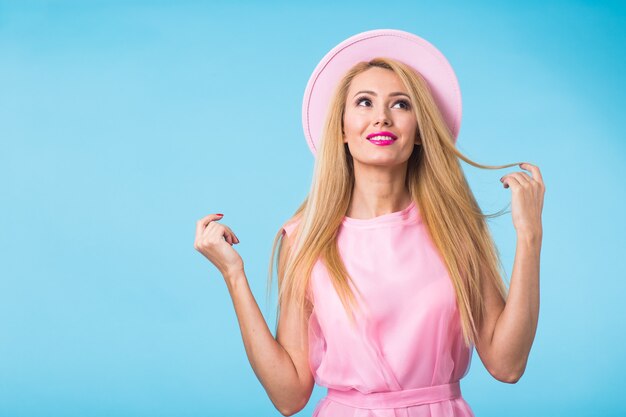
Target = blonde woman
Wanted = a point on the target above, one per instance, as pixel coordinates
(388, 276)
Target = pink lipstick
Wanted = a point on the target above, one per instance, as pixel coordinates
(383, 138)
(384, 142)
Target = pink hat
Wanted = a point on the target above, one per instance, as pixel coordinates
(402, 46)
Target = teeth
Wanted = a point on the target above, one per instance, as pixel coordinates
(381, 138)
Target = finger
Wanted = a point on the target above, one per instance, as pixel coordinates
(534, 170)
(235, 238)
(523, 177)
(202, 223)
(510, 180)
(219, 230)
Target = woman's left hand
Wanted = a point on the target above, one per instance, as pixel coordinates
(527, 199)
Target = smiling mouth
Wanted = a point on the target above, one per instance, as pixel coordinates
(384, 134)
(381, 140)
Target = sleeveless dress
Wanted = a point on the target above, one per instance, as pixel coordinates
(406, 356)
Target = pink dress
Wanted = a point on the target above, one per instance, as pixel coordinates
(407, 355)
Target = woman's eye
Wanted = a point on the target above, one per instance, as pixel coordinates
(362, 99)
(406, 103)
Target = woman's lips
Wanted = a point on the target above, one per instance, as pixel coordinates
(381, 142)
(383, 133)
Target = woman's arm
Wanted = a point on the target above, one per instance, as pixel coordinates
(505, 352)
(283, 371)
(509, 329)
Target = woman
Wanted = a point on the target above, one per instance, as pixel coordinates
(388, 276)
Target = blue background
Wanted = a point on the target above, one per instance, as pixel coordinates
(123, 123)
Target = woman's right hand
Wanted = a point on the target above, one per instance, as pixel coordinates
(214, 240)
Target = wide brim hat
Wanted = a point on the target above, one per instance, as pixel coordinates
(403, 46)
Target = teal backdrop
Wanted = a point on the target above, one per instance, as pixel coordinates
(124, 122)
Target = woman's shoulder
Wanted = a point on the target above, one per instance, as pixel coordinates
(290, 225)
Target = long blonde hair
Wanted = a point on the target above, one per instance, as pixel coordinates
(436, 183)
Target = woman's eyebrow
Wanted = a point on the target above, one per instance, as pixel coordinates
(395, 93)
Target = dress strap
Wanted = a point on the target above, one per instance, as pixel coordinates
(396, 399)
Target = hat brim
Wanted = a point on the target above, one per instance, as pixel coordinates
(400, 45)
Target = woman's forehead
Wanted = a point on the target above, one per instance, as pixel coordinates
(382, 81)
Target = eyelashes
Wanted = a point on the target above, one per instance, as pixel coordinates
(362, 98)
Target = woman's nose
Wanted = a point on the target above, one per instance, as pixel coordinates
(381, 117)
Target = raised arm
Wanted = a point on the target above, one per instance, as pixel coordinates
(508, 331)
(280, 364)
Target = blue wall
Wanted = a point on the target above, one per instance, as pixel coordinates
(122, 123)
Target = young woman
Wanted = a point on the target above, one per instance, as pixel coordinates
(388, 276)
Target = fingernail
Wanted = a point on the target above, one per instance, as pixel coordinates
(219, 214)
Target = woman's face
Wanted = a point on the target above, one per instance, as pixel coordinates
(373, 106)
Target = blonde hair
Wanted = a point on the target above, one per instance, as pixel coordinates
(437, 185)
